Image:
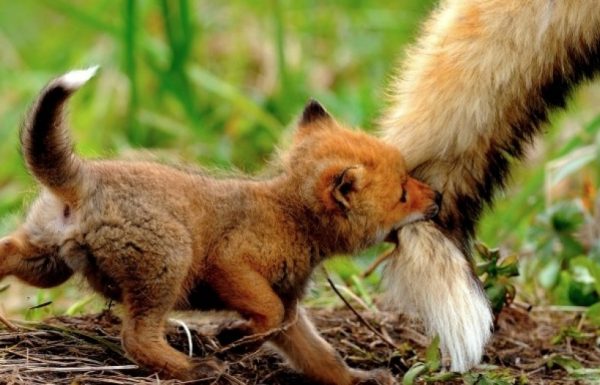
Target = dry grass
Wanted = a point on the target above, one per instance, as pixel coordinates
(86, 350)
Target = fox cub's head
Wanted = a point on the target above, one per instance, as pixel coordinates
(355, 183)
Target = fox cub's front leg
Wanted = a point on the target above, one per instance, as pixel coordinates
(243, 289)
(36, 266)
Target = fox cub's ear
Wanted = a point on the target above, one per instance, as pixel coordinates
(313, 112)
(313, 118)
(338, 184)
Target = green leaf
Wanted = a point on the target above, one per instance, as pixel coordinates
(566, 217)
(567, 363)
(441, 377)
(509, 267)
(360, 288)
(413, 373)
(572, 162)
(486, 253)
(489, 378)
(210, 82)
(593, 314)
(496, 293)
(79, 306)
(582, 294)
(432, 355)
(590, 374)
(569, 332)
(592, 267)
(482, 250)
(549, 274)
(343, 267)
(82, 15)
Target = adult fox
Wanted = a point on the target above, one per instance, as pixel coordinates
(473, 92)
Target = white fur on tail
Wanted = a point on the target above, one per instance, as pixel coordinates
(73, 80)
(430, 278)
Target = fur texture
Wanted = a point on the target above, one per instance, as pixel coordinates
(474, 90)
(158, 238)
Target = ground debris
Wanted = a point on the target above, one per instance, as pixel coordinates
(87, 350)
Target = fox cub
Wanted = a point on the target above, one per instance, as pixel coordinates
(158, 238)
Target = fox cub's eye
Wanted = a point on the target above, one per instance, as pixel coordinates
(403, 197)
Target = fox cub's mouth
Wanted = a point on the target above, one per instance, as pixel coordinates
(431, 212)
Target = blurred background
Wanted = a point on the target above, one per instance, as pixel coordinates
(218, 84)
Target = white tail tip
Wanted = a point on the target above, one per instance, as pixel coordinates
(75, 79)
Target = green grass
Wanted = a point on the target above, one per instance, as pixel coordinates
(219, 83)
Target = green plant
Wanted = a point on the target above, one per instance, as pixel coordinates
(492, 378)
(563, 264)
(428, 371)
(496, 273)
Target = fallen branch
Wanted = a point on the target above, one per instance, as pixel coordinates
(357, 314)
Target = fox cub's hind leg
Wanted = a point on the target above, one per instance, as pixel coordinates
(38, 267)
(309, 353)
(149, 261)
(143, 337)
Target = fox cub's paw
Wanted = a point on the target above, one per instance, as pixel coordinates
(373, 377)
(203, 369)
(232, 331)
(236, 336)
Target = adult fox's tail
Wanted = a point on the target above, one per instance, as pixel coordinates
(45, 141)
(474, 91)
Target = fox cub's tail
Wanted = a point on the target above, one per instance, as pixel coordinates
(46, 144)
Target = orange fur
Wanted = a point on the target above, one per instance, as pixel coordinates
(157, 238)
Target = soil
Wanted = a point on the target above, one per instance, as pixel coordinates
(539, 346)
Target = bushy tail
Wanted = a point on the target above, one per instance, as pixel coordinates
(45, 142)
(429, 277)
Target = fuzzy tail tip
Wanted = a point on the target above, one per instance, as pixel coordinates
(73, 80)
(430, 278)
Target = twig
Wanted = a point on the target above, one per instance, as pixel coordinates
(41, 305)
(82, 369)
(78, 335)
(560, 309)
(522, 305)
(354, 297)
(187, 333)
(378, 261)
(232, 379)
(357, 314)
(9, 325)
(259, 336)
